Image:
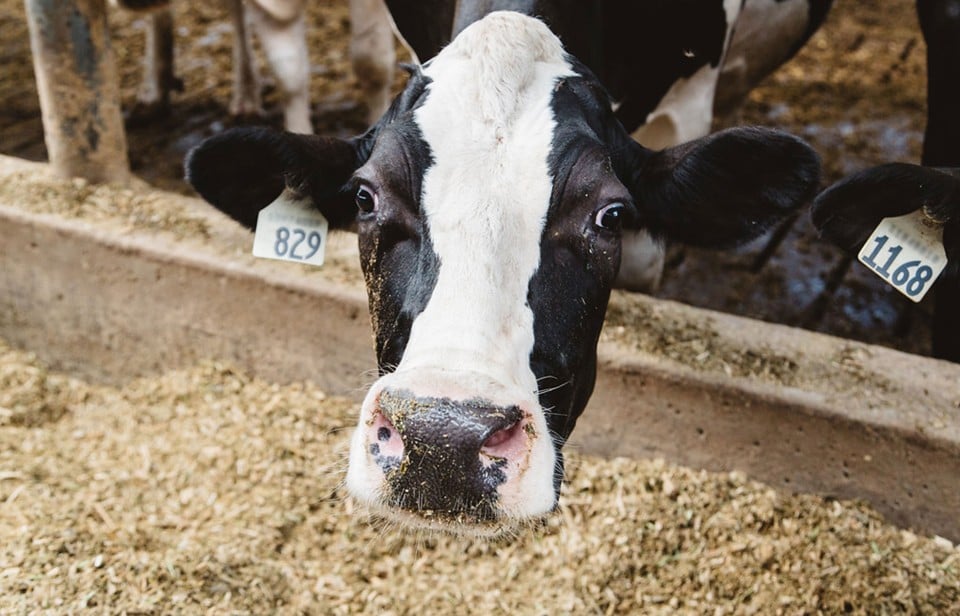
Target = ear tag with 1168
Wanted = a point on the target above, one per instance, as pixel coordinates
(907, 252)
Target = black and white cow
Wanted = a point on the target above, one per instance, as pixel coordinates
(669, 65)
(849, 210)
(490, 203)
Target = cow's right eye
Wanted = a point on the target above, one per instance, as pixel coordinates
(366, 200)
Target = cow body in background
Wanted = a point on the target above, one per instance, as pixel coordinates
(710, 63)
(767, 34)
(159, 77)
(281, 28)
(669, 66)
(847, 212)
(491, 203)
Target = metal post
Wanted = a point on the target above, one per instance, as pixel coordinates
(79, 93)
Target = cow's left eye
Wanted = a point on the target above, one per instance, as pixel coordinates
(611, 217)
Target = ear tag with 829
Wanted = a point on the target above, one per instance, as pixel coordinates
(291, 229)
(907, 252)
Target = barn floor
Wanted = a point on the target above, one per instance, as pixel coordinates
(856, 92)
(206, 491)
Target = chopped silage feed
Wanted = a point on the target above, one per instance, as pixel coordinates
(206, 491)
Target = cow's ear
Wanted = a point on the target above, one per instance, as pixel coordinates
(726, 188)
(242, 170)
(848, 211)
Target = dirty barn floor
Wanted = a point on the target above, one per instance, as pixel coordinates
(205, 491)
(856, 92)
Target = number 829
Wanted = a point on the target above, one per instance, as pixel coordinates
(289, 241)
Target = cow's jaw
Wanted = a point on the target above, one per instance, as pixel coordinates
(489, 124)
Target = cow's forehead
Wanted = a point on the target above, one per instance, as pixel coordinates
(493, 63)
(488, 117)
(500, 79)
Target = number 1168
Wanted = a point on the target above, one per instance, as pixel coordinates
(912, 275)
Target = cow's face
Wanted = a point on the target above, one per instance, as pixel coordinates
(489, 203)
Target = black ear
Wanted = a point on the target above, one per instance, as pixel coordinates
(726, 188)
(847, 212)
(242, 170)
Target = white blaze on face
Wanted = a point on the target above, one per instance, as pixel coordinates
(489, 124)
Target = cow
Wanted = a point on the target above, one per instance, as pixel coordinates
(280, 26)
(491, 203)
(670, 66)
(849, 210)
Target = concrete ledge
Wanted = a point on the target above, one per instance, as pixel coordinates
(109, 302)
(111, 307)
(790, 439)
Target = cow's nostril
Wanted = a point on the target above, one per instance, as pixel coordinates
(500, 436)
(384, 441)
(505, 442)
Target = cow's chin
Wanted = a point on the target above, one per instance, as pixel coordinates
(497, 529)
(372, 497)
(501, 525)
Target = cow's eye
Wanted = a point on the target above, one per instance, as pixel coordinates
(611, 217)
(366, 200)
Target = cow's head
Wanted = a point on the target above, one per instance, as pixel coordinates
(489, 203)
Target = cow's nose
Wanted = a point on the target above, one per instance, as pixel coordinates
(446, 456)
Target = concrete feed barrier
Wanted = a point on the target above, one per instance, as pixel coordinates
(111, 295)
